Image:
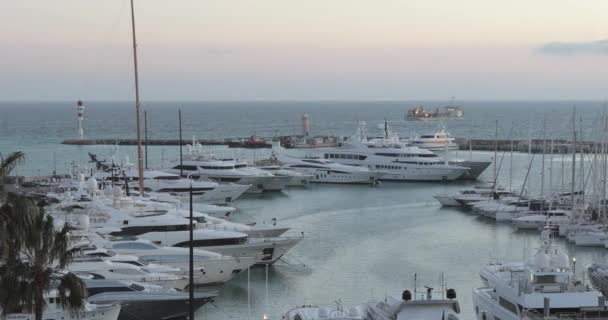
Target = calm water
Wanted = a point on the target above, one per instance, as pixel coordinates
(360, 242)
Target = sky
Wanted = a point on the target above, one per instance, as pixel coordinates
(305, 50)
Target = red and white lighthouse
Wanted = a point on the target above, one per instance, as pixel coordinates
(80, 108)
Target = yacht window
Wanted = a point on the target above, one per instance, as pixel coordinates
(184, 167)
(361, 157)
(127, 271)
(240, 166)
(427, 136)
(213, 242)
(306, 166)
(136, 287)
(98, 290)
(135, 263)
(550, 278)
(387, 154)
(134, 246)
(167, 178)
(98, 254)
(507, 305)
(173, 258)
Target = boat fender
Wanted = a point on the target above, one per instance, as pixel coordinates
(406, 295)
(451, 294)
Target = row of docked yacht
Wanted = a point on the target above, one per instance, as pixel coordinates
(581, 224)
(133, 249)
(543, 286)
(201, 164)
(360, 160)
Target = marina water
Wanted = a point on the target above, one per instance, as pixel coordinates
(359, 241)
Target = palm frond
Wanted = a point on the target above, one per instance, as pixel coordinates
(10, 162)
(72, 292)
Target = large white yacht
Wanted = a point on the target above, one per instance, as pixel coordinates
(428, 306)
(163, 182)
(298, 179)
(104, 269)
(54, 310)
(400, 162)
(216, 268)
(542, 287)
(199, 163)
(438, 141)
(168, 228)
(143, 300)
(326, 171)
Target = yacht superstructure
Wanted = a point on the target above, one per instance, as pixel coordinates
(401, 163)
(541, 287)
(438, 141)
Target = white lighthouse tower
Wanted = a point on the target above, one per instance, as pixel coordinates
(80, 108)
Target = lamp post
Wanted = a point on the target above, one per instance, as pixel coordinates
(574, 266)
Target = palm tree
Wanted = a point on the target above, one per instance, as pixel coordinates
(33, 253)
(9, 163)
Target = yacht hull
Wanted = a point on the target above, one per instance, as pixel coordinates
(212, 272)
(265, 250)
(476, 168)
(108, 312)
(153, 309)
(424, 174)
(447, 201)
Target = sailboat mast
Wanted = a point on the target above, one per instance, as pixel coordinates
(140, 160)
(573, 157)
(495, 154)
(542, 170)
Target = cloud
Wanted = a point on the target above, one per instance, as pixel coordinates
(599, 47)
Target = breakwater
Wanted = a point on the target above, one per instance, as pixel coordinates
(534, 145)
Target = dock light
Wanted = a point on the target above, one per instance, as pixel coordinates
(574, 266)
(264, 317)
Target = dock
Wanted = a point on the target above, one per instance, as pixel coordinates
(533, 146)
(520, 145)
(245, 142)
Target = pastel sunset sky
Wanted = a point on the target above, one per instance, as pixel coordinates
(311, 50)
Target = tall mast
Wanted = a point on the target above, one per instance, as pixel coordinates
(573, 157)
(542, 170)
(140, 160)
(495, 154)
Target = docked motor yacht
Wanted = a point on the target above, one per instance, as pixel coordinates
(438, 141)
(326, 171)
(400, 162)
(214, 267)
(198, 164)
(540, 288)
(54, 310)
(469, 195)
(539, 220)
(144, 300)
(104, 269)
(429, 306)
(163, 182)
(204, 221)
(298, 179)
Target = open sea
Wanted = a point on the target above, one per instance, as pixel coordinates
(360, 242)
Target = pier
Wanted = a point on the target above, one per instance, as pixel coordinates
(520, 145)
(533, 146)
